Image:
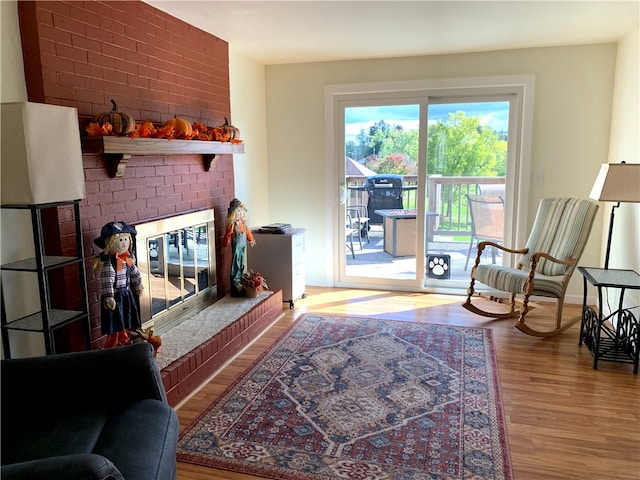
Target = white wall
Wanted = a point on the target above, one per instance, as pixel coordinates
(572, 124)
(625, 145)
(14, 223)
(249, 114)
(12, 87)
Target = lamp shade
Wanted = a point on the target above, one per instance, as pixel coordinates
(41, 154)
(617, 182)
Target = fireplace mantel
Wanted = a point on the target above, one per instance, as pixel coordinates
(118, 150)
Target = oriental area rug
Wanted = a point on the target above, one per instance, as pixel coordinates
(358, 398)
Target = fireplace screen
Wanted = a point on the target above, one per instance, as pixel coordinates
(177, 261)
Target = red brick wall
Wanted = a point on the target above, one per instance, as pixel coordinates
(82, 55)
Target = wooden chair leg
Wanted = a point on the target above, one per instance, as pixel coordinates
(468, 305)
(559, 307)
(559, 326)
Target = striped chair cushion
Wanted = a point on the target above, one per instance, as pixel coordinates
(513, 280)
(561, 229)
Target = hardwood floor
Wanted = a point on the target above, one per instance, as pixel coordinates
(565, 420)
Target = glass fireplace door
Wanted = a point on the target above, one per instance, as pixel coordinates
(177, 264)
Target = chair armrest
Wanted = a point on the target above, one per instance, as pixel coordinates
(66, 382)
(68, 467)
(538, 255)
(482, 245)
(535, 258)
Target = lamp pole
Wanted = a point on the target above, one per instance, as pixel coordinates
(606, 258)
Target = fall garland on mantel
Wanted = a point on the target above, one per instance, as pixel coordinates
(115, 123)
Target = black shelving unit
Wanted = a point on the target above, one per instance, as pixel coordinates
(48, 319)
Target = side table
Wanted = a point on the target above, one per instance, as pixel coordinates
(619, 343)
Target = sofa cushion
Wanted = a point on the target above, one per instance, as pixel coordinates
(68, 467)
(141, 440)
(53, 436)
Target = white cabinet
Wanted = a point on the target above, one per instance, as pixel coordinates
(279, 258)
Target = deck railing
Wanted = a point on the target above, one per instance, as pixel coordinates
(445, 196)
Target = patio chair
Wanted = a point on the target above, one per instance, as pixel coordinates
(360, 221)
(493, 189)
(487, 221)
(349, 231)
(556, 242)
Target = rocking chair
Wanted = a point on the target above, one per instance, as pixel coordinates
(557, 239)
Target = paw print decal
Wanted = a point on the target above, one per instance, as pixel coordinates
(438, 266)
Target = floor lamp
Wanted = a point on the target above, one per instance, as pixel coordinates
(41, 154)
(616, 182)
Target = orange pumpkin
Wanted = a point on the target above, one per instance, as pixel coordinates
(122, 123)
(182, 128)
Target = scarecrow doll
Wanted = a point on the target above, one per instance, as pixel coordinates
(121, 283)
(237, 235)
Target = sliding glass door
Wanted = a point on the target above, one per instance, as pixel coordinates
(412, 166)
(466, 176)
(381, 145)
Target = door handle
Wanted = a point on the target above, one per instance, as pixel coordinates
(342, 194)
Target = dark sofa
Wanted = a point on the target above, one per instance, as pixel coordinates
(87, 415)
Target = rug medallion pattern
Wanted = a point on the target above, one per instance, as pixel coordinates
(356, 398)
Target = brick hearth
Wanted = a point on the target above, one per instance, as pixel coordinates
(185, 375)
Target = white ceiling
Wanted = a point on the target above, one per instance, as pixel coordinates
(298, 31)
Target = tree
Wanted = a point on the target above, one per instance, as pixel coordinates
(356, 151)
(361, 149)
(401, 141)
(378, 134)
(394, 163)
(461, 146)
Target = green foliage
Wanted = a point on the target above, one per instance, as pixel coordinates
(356, 151)
(378, 134)
(399, 141)
(461, 146)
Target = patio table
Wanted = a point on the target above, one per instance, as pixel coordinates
(399, 227)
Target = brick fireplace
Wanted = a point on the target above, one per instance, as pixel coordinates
(82, 55)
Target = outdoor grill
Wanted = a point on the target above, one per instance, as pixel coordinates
(385, 192)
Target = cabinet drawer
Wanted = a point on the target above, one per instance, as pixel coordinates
(297, 281)
(297, 249)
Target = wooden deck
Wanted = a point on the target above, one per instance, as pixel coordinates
(372, 260)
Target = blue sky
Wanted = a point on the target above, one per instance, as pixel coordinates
(494, 114)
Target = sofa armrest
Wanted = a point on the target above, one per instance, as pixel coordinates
(75, 381)
(70, 467)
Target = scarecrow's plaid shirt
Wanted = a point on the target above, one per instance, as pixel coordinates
(112, 280)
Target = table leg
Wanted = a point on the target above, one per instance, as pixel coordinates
(583, 322)
(596, 347)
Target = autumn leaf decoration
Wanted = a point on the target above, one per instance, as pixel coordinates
(149, 130)
(95, 130)
(253, 279)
